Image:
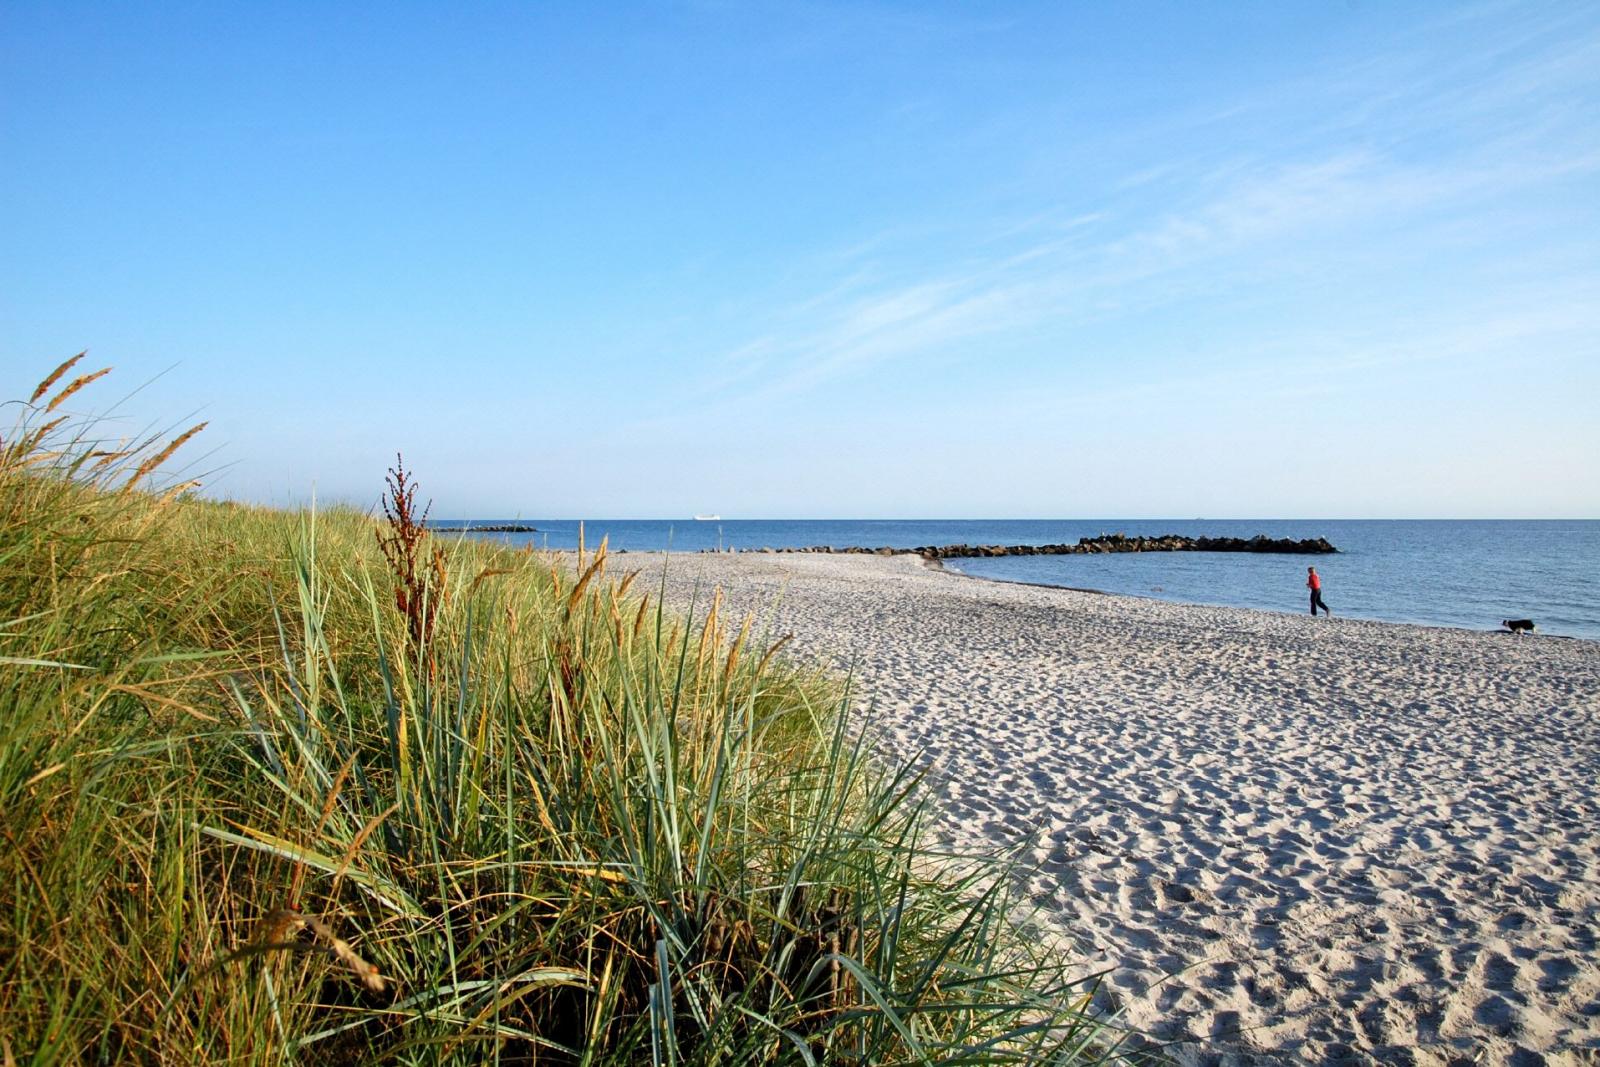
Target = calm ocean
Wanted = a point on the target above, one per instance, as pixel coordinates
(1444, 573)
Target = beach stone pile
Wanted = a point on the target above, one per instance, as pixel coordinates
(1091, 545)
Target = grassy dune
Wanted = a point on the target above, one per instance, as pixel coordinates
(319, 788)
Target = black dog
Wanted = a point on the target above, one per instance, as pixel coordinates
(1519, 626)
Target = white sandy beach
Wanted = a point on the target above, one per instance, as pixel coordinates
(1289, 840)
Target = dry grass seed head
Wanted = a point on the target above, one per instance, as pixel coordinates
(77, 383)
(779, 643)
(165, 454)
(279, 926)
(55, 376)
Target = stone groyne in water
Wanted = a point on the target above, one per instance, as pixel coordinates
(1084, 546)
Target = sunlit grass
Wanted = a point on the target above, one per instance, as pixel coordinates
(253, 813)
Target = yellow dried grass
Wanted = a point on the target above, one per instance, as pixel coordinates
(597, 567)
(77, 383)
(55, 376)
(281, 925)
(165, 454)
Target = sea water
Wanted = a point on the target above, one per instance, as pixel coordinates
(1466, 574)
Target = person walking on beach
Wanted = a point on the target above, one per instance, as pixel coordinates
(1314, 583)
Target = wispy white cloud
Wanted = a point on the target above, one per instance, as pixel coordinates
(1272, 372)
(1394, 147)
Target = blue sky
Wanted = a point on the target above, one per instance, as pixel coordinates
(825, 260)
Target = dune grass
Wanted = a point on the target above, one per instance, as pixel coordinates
(320, 788)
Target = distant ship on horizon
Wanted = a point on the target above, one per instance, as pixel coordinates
(707, 518)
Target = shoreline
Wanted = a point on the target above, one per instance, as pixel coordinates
(938, 565)
(1349, 839)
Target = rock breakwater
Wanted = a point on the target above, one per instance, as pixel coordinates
(1091, 545)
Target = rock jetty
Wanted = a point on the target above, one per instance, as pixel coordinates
(1085, 546)
(501, 527)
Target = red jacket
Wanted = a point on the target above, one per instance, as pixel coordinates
(1314, 581)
